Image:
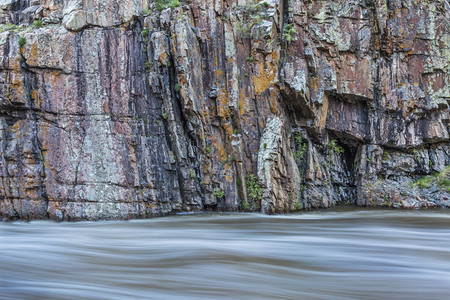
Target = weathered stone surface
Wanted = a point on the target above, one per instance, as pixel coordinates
(126, 109)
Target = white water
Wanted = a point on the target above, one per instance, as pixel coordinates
(357, 254)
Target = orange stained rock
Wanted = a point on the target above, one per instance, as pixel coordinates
(182, 79)
(323, 113)
(43, 131)
(263, 82)
(314, 83)
(219, 73)
(273, 101)
(228, 129)
(242, 102)
(162, 58)
(222, 103)
(218, 146)
(265, 77)
(33, 54)
(36, 98)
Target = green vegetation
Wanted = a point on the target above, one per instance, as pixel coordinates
(245, 206)
(254, 190)
(22, 41)
(8, 27)
(37, 24)
(297, 206)
(385, 155)
(250, 59)
(251, 16)
(165, 116)
(219, 193)
(192, 173)
(146, 11)
(289, 32)
(334, 147)
(301, 147)
(208, 150)
(145, 32)
(440, 178)
(163, 4)
(177, 87)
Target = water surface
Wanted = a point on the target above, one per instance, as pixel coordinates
(360, 254)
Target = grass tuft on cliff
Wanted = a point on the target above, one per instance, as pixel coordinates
(22, 41)
(163, 4)
(440, 178)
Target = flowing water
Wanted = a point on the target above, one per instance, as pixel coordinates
(331, 254)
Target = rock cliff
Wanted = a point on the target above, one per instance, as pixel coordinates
(118, 109)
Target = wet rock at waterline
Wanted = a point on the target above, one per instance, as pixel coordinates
(133, 109)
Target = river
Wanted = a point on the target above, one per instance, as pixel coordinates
(329, 254)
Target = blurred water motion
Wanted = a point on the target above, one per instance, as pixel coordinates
(358, 254)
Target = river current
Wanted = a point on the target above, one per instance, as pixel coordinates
(329, 254)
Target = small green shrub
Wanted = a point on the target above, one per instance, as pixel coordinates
(245, 206)
(192, 173)
(297, 206)
(22, 41)
(163, 4)
(37, 24)
(165, 116)
(424, 182)
(334, 147)
(289, 32)
(8, 27)
(445, 183)
(301, 147)
(145, 32)
(251, 14)
(177, 87)
(254, 189)
(250, 59)
(219, 193)
(208, 150)
(442, 179)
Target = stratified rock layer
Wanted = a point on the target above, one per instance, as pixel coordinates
(128, 109)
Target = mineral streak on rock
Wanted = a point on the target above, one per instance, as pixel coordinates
(119, 109)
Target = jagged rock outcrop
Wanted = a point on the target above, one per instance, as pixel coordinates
(129, 109)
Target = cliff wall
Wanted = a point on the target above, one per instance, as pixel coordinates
(118, 109)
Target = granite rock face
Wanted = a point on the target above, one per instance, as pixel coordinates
(130, 109)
